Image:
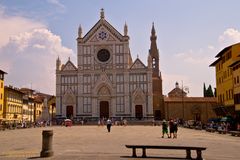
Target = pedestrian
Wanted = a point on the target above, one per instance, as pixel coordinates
(175, 129)
(99, 122)
(164, 128)
(109, 124)
(171, 128)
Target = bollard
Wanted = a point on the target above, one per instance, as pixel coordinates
(47, 143)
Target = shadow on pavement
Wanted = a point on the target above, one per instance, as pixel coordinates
(151, 157)
(34, 157)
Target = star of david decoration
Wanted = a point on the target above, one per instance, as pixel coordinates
(102, 35)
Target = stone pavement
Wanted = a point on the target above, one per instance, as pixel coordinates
(93, 142)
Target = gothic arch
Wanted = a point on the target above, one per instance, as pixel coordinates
(104, 90)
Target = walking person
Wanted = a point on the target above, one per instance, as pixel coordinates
(109, 124)
(164, 128)
(175, 129)
(171, 128)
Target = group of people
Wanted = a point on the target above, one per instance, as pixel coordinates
(173, 128)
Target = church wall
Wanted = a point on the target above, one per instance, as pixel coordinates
(189, 110)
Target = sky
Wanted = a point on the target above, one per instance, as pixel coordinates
(34, 33)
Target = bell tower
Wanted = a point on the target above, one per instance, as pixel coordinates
(158, 102)
(154, 52)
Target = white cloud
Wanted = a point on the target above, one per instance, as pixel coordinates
(194, 57)
(230, 36)
(13, 25)
(28, 52)
(192, 66)
(211, 47)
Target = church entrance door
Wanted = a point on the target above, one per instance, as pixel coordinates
(139, 112)
(197, 117)
(69, 113)
(104, 109)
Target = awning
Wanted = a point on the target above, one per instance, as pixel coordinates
(224, 110)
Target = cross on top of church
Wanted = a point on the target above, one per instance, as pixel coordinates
(102, 14)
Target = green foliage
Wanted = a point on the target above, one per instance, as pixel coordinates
(204, 90)
(207, 92)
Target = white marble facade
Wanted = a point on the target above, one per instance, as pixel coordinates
(106, 81)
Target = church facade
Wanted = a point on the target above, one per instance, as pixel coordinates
(106, 81)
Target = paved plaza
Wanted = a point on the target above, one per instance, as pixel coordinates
(94, 142)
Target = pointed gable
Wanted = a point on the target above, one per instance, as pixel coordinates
(103, 78)
(138, 96)
(100, 25)
(69, 66)
(138, 64)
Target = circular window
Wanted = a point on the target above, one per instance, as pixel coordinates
(103, 55)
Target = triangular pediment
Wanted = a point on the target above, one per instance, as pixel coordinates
(69, 92)
(68, 97)
(102, 26)
(69, 66)
(138, 64)
(103, 80)
(138, 96)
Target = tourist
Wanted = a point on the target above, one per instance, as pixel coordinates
(109, 124)
(175, 129)
(171, 128)
(164, 128)
(99, 122)
(124, 122)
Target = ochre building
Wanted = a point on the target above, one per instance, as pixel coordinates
(13, 105)
(235, 66)
(1, 93)
(227, 75)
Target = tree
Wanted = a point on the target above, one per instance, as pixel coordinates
(209, 92)
(204, 90)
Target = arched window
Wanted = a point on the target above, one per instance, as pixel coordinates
(154, 63)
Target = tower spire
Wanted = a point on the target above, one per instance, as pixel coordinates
(153, 30)
(154, 52)
(125, 29)
(80, 31)
(58, 64)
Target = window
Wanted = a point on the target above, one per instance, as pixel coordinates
(1, 84)
(154, 63)
(120, 104)
(87, 105)
(119, 59)
(120, 88)
(119, 78)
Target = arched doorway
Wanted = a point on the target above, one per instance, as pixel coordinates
(139, 112)
(69, 113)
(197, 117)
(104, 109)
(157, 114)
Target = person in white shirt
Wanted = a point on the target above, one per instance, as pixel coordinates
(109, 124)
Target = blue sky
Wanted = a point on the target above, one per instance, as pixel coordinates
(190, 34)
